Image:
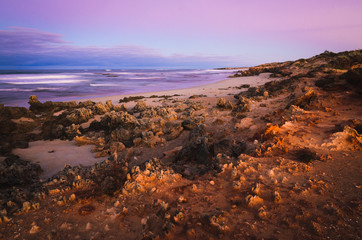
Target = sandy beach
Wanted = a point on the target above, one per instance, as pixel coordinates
(273, 153)
(219, 89)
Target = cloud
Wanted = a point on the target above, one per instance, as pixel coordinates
(26, 48)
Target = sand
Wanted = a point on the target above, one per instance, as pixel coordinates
(219, 89)
(52, 156)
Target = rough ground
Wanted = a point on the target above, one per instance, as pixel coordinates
(281, 161)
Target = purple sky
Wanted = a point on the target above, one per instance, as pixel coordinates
(166, 33)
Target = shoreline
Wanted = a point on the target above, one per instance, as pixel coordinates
(122, 88)
(221, 88)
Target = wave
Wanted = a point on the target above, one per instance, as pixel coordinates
(56, 81)
(49, 89)
(44, 89)
(141, 78)
(103, 85)
(15, 90)
(36, 76)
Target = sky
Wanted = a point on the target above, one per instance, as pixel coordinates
(172, 34)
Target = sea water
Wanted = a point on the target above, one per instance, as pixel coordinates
(66, 85)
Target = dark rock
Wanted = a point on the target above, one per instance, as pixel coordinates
(229, 147)
(37, 107)
(132, 98)
(197, 151)
(15, 171)
(238, 148)
(191, 123)
(306, 155)
(224, 146)
(198, 131)
(354, 77)
(21, 144)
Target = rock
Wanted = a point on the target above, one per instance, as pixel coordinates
(140, 106)
(148, 113)
(194, 96)
(224, 146)
(196, 151)
(348, 139)
(79, 115)
(191, 123)
(122, 135)
(15, 171)
(71, 131)
(113, 120)
(100, 108)
(148, 139)
(253, 201)
(26, 206)
(88, 226)
(354, 77)
(34, 229)
(262, 214)
(277, 197)
(244, 123)
(218, 121)
(242, 106)
(257, 189)
(117, 147)
(83, 140)
(106, 228)
(86, 104)
(198, 131)
(305, 101)
(172, 152)
(221, 103)
(38, 107)
(120, 108)
(173, 130)
(182, 199)
(238, 148)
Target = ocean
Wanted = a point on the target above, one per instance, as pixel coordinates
(66, 85)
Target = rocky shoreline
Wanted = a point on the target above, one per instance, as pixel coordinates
(277, 161)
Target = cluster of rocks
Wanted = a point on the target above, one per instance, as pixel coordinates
(16, 128)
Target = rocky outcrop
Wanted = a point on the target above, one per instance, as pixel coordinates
(79, 115)
(223, 104)
(15, 171)
(113, 120)
(37, 107)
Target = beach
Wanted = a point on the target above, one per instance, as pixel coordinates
(272, 152)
